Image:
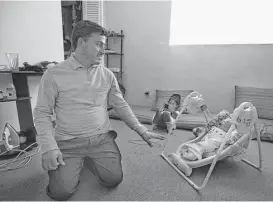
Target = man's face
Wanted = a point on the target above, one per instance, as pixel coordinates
(93, 48)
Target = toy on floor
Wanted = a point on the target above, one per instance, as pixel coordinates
(229, 138)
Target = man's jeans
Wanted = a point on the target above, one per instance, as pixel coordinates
(99, 153)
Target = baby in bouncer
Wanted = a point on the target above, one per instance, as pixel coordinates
(221, 120)
(214, 134)
(164, 117)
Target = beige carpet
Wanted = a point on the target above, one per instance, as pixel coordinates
(148, 177)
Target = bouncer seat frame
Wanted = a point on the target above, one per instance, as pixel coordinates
(236, 151)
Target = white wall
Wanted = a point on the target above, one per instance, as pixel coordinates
(150, 63)
(214, 22)
(34, 30)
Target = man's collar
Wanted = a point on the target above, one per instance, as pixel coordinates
(75, 63)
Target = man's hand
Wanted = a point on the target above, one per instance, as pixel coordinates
(149, 135)
(52, 159)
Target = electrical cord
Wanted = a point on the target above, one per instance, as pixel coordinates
(144, 143)
(25, 157)
(138, 142)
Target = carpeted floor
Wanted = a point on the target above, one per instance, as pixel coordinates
(147, 177)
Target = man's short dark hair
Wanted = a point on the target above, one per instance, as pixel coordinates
(84, 29)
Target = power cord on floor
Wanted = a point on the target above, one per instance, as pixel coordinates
(25, 157)
(144, 143)
(139, 142)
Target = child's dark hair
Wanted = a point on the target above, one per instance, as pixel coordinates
(176, 98)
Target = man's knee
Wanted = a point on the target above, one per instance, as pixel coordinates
(60, 194)
(61, 191)
(62, 184)
(111, 180)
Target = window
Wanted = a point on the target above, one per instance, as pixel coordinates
(93, 11)
(201, 22)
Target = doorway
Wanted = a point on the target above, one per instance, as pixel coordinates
(71, 14)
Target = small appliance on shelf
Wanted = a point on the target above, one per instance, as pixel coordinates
(10, 91)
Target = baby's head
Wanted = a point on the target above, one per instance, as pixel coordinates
(174, 102)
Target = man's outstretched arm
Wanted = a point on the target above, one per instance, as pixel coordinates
(43, 111)
(123, 109)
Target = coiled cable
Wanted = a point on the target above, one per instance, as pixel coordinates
(23, 156)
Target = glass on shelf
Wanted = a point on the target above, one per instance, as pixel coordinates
(13, 60)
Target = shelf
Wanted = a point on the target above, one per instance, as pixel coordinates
(17, 99)
(114, 54)
(116, 35)
(115, 70)
(111, 52)
(23, 100)
(108, 52)
(32, 73)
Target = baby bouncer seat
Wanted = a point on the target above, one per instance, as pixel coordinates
(233, 144)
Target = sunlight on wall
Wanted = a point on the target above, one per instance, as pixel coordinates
(195, 22)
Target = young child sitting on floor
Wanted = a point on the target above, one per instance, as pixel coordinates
(165, 117)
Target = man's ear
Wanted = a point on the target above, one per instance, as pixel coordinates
(80, 42)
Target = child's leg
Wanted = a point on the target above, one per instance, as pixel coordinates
(168, 120)
(166, 116)
(157, 121)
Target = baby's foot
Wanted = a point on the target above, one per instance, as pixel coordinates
(189, 155)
